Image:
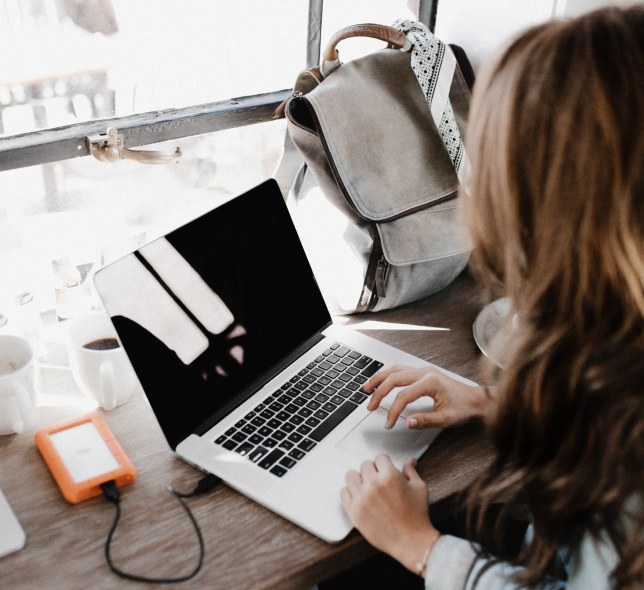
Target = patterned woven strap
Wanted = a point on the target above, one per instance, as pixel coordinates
(434, 63)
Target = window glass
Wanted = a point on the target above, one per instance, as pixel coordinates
(59, 222)
(64, 61)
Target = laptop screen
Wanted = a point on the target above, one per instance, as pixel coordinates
(210, 308)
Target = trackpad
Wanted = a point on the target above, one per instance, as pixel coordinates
(370, 438)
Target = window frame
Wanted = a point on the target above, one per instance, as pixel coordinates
(63, 143)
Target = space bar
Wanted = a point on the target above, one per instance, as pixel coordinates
(332, 421)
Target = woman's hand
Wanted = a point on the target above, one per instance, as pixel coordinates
(391, 510)
(454, 402)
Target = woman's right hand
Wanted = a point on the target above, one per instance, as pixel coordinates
(454, 402)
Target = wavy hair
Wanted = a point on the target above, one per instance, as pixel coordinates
(556, 212)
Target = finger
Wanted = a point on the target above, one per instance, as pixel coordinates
(437, 419)
(376, 379)
(400, 377)
(354, 480)
(404, 398)
(409, 470)
(346, 498)
(384, 464)
(368, 470)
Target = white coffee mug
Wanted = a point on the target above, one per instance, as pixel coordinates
(99, 364)
(17, 384)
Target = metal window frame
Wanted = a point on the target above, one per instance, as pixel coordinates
(63, 143)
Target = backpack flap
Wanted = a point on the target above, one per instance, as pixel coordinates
(393, 170)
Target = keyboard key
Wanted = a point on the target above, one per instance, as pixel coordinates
(372, 368)
(345, 392)
(267, 414)
(278, 470)
(312, 422)
(306, 412)
(308, 394)
(248, 429)
(321, 397)
(245, 448)
(229, 445)
(337, 400)
(257, 453)
(360, 379)
(362, 362)
(355, 355)
(295, 437)
(329, 407)
(297, 454)
(286, 445)
(239, 437)
(269, 443)
(275, 406)
(334, 346)
(264, 431)
(325, 365)
(271, 458)
(313, 405)
(291, 408)
(320, 414)
(256, 439)
(288, 427)
(285, 399)
(306, 445)
(230, 431)
(358, 397)
(240, 424)
(341, 351)
(257, 421)
(334, 419)
(299, 401)
(274, 423)
(287, 462)
(283, 416)
(220, 440)
(296, 419)
(304, 429)
(279, 435)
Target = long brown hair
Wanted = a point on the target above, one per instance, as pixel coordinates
(556, 211)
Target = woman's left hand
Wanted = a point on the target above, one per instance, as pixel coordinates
(391, 509)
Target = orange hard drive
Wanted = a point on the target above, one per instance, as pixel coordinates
(82, 453)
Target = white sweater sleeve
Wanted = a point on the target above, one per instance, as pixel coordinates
(454, 564)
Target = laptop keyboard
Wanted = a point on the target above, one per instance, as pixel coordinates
(279, 432)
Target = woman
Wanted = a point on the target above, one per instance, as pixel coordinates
(556, 211)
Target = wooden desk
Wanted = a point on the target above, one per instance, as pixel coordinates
(246, 545)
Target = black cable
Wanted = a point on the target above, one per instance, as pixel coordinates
(112, 494)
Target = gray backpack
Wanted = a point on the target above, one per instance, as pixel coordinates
(377, 207)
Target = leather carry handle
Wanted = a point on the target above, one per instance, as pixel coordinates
(393, 37)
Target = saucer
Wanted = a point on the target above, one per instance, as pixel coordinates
(488, 325)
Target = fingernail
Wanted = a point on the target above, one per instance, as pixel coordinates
(413, 423)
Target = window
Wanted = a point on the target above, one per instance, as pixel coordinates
(203, 75)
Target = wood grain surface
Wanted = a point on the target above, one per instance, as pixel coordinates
(246, 545)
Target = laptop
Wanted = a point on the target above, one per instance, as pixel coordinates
(246, 373)
(12, 535)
